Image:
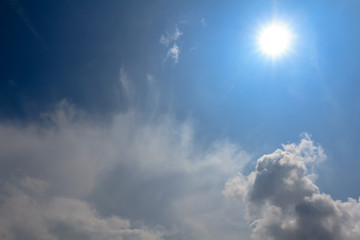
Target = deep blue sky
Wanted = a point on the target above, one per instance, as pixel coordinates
(54, 50)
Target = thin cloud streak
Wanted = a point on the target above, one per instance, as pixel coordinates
(20, 11)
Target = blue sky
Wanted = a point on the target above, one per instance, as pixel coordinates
(180, 84)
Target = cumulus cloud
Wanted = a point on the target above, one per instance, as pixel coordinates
(76, 176)
(283, 201)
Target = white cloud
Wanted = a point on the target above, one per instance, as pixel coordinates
(171, 39)
(174, 52)
(284, 203)
(102, 174)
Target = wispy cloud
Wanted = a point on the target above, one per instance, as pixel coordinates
(16, 6)
(126, 85)
(283, 201)
(76, 176)
(203, 22)
(174, 52)
(169, 38)
(170, 41)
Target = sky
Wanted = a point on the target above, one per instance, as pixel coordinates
(163, 120)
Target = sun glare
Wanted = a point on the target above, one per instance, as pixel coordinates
(275, 39)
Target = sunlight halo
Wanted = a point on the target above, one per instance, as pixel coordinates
(275, 39)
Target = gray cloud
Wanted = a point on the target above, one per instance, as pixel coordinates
(79, 177)
(27, 213)
(284, 203)
(66, 150)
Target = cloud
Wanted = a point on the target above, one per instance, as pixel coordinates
(167, 39)
(125, 83)
(203, 22)
(174, 52)
(283, 201)
(25, 212)
(133, 176)
(64, 149)
(20, 11)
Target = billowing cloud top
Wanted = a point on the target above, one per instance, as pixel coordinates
(283, 201)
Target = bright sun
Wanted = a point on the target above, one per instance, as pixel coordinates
(275, 39)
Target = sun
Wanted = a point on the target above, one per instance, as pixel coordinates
(275, 39)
